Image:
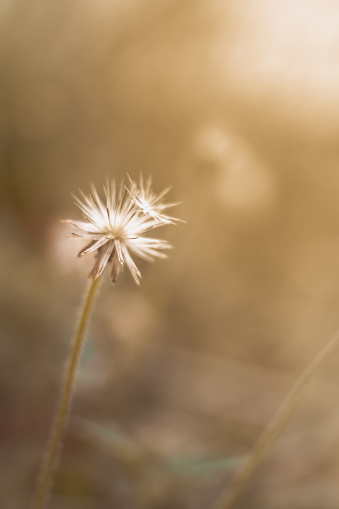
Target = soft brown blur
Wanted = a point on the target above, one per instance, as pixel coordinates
(236, 105)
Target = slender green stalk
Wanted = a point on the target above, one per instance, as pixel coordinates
(61, 414)
(274, 429)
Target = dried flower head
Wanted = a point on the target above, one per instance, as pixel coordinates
(148, 201)
(115, 227)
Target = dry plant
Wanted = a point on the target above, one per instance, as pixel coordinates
(240, 481)
(115, 227)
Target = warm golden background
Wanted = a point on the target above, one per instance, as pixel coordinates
(235, 104)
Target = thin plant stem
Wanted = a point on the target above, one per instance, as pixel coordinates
(271, 434)
(66, 394)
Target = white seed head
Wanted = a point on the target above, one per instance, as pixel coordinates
(149, 202)
(115, 227)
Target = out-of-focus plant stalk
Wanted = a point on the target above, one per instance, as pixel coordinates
(53, 447)
(273, 431)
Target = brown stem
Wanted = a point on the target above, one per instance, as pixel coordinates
(272, 432)
(61, 414)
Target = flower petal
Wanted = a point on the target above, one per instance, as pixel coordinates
(87, 227)
(135, 272)
(116, 268)
(93, 246)
(101, 262)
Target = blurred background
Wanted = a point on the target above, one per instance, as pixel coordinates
(236, 105)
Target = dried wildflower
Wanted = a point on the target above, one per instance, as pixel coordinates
(149, 202)
(115, 228)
